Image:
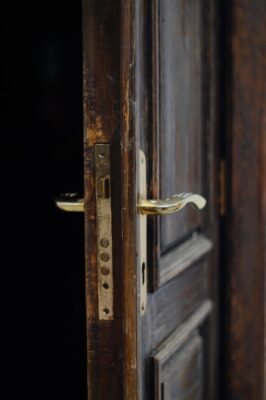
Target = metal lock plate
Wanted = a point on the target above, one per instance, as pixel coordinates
(104, 231)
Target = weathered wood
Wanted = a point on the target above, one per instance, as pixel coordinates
(180, 111)
(175, 301)
(118, 107)
(183, 257)
(182, 375)
(178, 282)
(171, 372)
(102, 93)
(177, 119)
(179, 68)
(181, 334)
(246, 218)
(129, 205)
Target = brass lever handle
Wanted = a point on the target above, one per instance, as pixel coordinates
(171, 205)
(70, 202)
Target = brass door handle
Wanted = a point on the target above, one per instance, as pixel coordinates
(70, 202)
(172, 204)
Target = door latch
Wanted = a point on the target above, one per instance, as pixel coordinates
(104, 231)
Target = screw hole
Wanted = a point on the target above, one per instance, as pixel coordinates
(106, 310)
(104, 242)
(105, 285)
(105, 257)
(105, 271)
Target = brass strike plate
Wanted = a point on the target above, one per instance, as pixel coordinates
(143, 234)
(104, 231)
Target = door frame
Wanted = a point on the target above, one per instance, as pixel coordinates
(245, 222)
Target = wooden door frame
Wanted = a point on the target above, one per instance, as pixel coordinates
(245, 262)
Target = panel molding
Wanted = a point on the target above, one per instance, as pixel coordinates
(178, 354)
(181, 334)
(184, 256)
(160, 271)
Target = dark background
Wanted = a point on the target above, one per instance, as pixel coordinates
(41, 150)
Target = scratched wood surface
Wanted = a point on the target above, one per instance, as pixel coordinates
(181, 375)
(180, 57)
(108, 118)
(181, 119)
(101, 71)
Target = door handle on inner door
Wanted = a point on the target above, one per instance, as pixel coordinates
(172, 204)
(72, 203)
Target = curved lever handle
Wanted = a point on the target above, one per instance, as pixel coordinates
(70, 202)
(171, 205)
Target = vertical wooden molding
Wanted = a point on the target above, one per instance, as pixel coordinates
(247, 203)
(102, 123)
(128, 170)
(109, 115)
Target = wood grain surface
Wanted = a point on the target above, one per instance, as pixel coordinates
(246, 146)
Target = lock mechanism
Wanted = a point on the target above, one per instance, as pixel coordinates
(70, 202)
(104, 231)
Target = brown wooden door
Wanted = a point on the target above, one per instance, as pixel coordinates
(150, 96)
(177, 330)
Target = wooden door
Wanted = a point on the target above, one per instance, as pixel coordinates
(150, 98)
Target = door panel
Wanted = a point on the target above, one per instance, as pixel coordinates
(184, 294)
(178, 165)
(180, 375)
(179, 144)
(178, 54)
(182, 257)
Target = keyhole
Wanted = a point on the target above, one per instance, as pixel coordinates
(143, 273)
(107, 188)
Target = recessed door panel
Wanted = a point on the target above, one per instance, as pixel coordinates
(179, 160)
